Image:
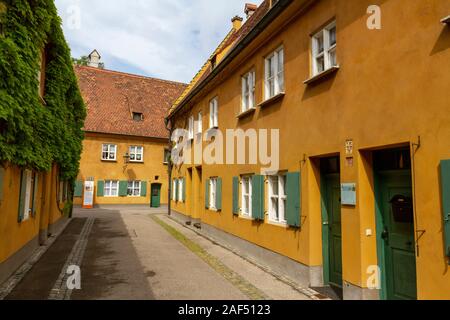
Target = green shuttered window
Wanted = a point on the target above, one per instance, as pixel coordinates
(258, 198)
(207, 193)
(100, 188)
(236, 195)
(445, 185)
(293, 199)
(143, 188)
(123, 188)
(78, 192)
(22, 195)
(219, 194)
(184, 189)
(35, 194)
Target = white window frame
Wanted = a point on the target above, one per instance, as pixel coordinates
(246, 192)
(248, 91)
(214, 113)
(212, 193)
(134, 151)
(27, 207)
(174, 189)
(328, 50)
(133, 187)
(277, 214)
(111, 189)
(200, 123)
(180, 190)
(274, 73)
(191, 123)
(109, 152)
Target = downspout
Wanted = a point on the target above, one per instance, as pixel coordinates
(168, 125)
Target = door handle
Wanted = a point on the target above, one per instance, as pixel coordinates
(385, 234)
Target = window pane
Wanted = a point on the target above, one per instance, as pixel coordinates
(319, 43)
(333, 57)
(320, 64)
(332, 33)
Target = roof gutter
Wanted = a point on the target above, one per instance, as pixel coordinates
(271, 15)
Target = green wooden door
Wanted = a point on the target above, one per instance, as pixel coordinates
(156, 195)
(332, 202)
(397, 237)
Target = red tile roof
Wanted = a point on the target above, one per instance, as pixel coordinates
(111, 98)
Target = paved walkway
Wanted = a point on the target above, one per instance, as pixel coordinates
(138, 253)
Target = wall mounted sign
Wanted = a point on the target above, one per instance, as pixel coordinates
(88, 195)
(349, 147)
(348, 194)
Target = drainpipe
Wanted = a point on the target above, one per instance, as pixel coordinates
(168, 124)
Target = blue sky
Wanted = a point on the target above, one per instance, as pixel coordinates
(168, 39)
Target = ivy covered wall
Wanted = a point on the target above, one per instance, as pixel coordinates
(33, 133)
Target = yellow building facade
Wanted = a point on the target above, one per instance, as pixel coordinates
(359, 95)
(126, 141)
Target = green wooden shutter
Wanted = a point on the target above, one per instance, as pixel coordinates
(78, 193)
(123, 188)
(100, 188)
(236, 195)
(22, 195)
(2, 176)
(445, 184)
(184, 189)
(219, 194)
(35, 194)
(143, 188)
(293, 199)
(207, 194)
(177, 189)
(258, 198)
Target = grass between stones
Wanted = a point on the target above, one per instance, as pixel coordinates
(239, 282)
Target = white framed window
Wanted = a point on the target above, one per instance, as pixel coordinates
(109, 152)
(111, 188)
(136, 154)
(28, 200)
(277, 199)
(191, 123)
(246, 196)
(174, 189)
(212, 193)
(274, 79)
(180, 190)
(248, 91)
(200, 123)
(324, 49)
(214, 113)
(134, 189)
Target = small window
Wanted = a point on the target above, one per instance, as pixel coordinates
(166, 156)
(191, 128)
(277, 199)
(246, 196)
(136, 154)
(212, 193)
(214, 61)
(180, 190)
(174, 189)
(29, 195)
(274, 81)
(200, 123)
(109, 152)
(134, 189)
(324, 49)
(137, 116)
(214, 113)
(248, 91)
(111, 188)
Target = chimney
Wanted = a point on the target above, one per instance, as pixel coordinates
(237, 22)
(94, 59)
(250, 9)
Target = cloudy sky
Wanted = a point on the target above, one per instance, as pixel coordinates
(169, 39)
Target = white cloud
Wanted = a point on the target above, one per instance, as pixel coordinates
(170, 39)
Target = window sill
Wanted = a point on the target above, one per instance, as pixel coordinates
(278, 224)
(246, 113)
(322, 75)
(243, 217)
(138, 162)
(105, 160)
(272, 100)
(446, 20)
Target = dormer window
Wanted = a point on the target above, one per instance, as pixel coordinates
(138, 116)
(214, 61)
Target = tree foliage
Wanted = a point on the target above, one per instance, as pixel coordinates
(34, 134)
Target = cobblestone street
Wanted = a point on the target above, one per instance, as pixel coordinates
(135, 253)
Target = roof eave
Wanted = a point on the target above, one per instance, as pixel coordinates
(271, 15)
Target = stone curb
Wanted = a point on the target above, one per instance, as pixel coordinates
(8, 286)
(310, 293)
